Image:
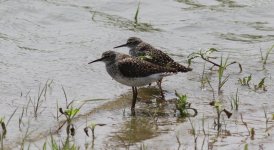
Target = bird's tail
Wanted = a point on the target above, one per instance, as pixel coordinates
(185, 69)
(180, 67)
(167, 74)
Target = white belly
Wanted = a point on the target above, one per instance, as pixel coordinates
(138, 81)
(134, 81)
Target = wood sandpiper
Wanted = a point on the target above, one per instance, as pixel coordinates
(145, 51)
(132, 71)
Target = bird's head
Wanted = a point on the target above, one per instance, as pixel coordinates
(107, 57)
(131, 42)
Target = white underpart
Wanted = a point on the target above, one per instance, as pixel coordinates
(141, 81)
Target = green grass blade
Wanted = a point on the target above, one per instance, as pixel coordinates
(136, 14)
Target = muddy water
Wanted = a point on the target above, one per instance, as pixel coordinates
(51, 42)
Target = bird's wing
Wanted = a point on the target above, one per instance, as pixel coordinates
(153, 55)
(158, 57)
(134, 67)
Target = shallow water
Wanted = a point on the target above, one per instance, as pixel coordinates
(52, 42)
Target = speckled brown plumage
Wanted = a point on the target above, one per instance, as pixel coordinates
(143, 50)
(158, 57)
(134, 67)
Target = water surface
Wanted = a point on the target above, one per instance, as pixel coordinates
(52, 42)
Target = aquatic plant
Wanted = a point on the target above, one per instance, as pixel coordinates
(203, 79)
(219, 110)
(41, 97)
(260, 85)
(92, 126)
(53, 144)
(3, 131)
(136, 14)
(252, 133)
(235, 101)
(266, 119)
(221, 79)
(206, 56)
(182, 105)
(25, 136)
(121, 22)
(70, 113)
(265, 58)
(245, 80)
(193, 132)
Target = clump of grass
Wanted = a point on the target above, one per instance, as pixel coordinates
(245, 80)
(92, 126)
(140, 26)
(219, 109)
(266, 119)
(260, 85)
(70, 113)
(203, 79)
(206, 56)
(193, 132)
(3, 131)
(235, 101)
(25, 136)
(265, 58)
(252, 133)
(133, 24)
(182, 105)
(137, 14)
(221, 79)
(41, 97)
(53, 145)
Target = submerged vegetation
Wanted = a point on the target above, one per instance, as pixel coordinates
(117, 21)
(264, 58)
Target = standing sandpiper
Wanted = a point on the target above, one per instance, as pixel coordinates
(145, 51)
(132, 71)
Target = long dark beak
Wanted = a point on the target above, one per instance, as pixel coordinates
(120, 46)
(100, 59)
